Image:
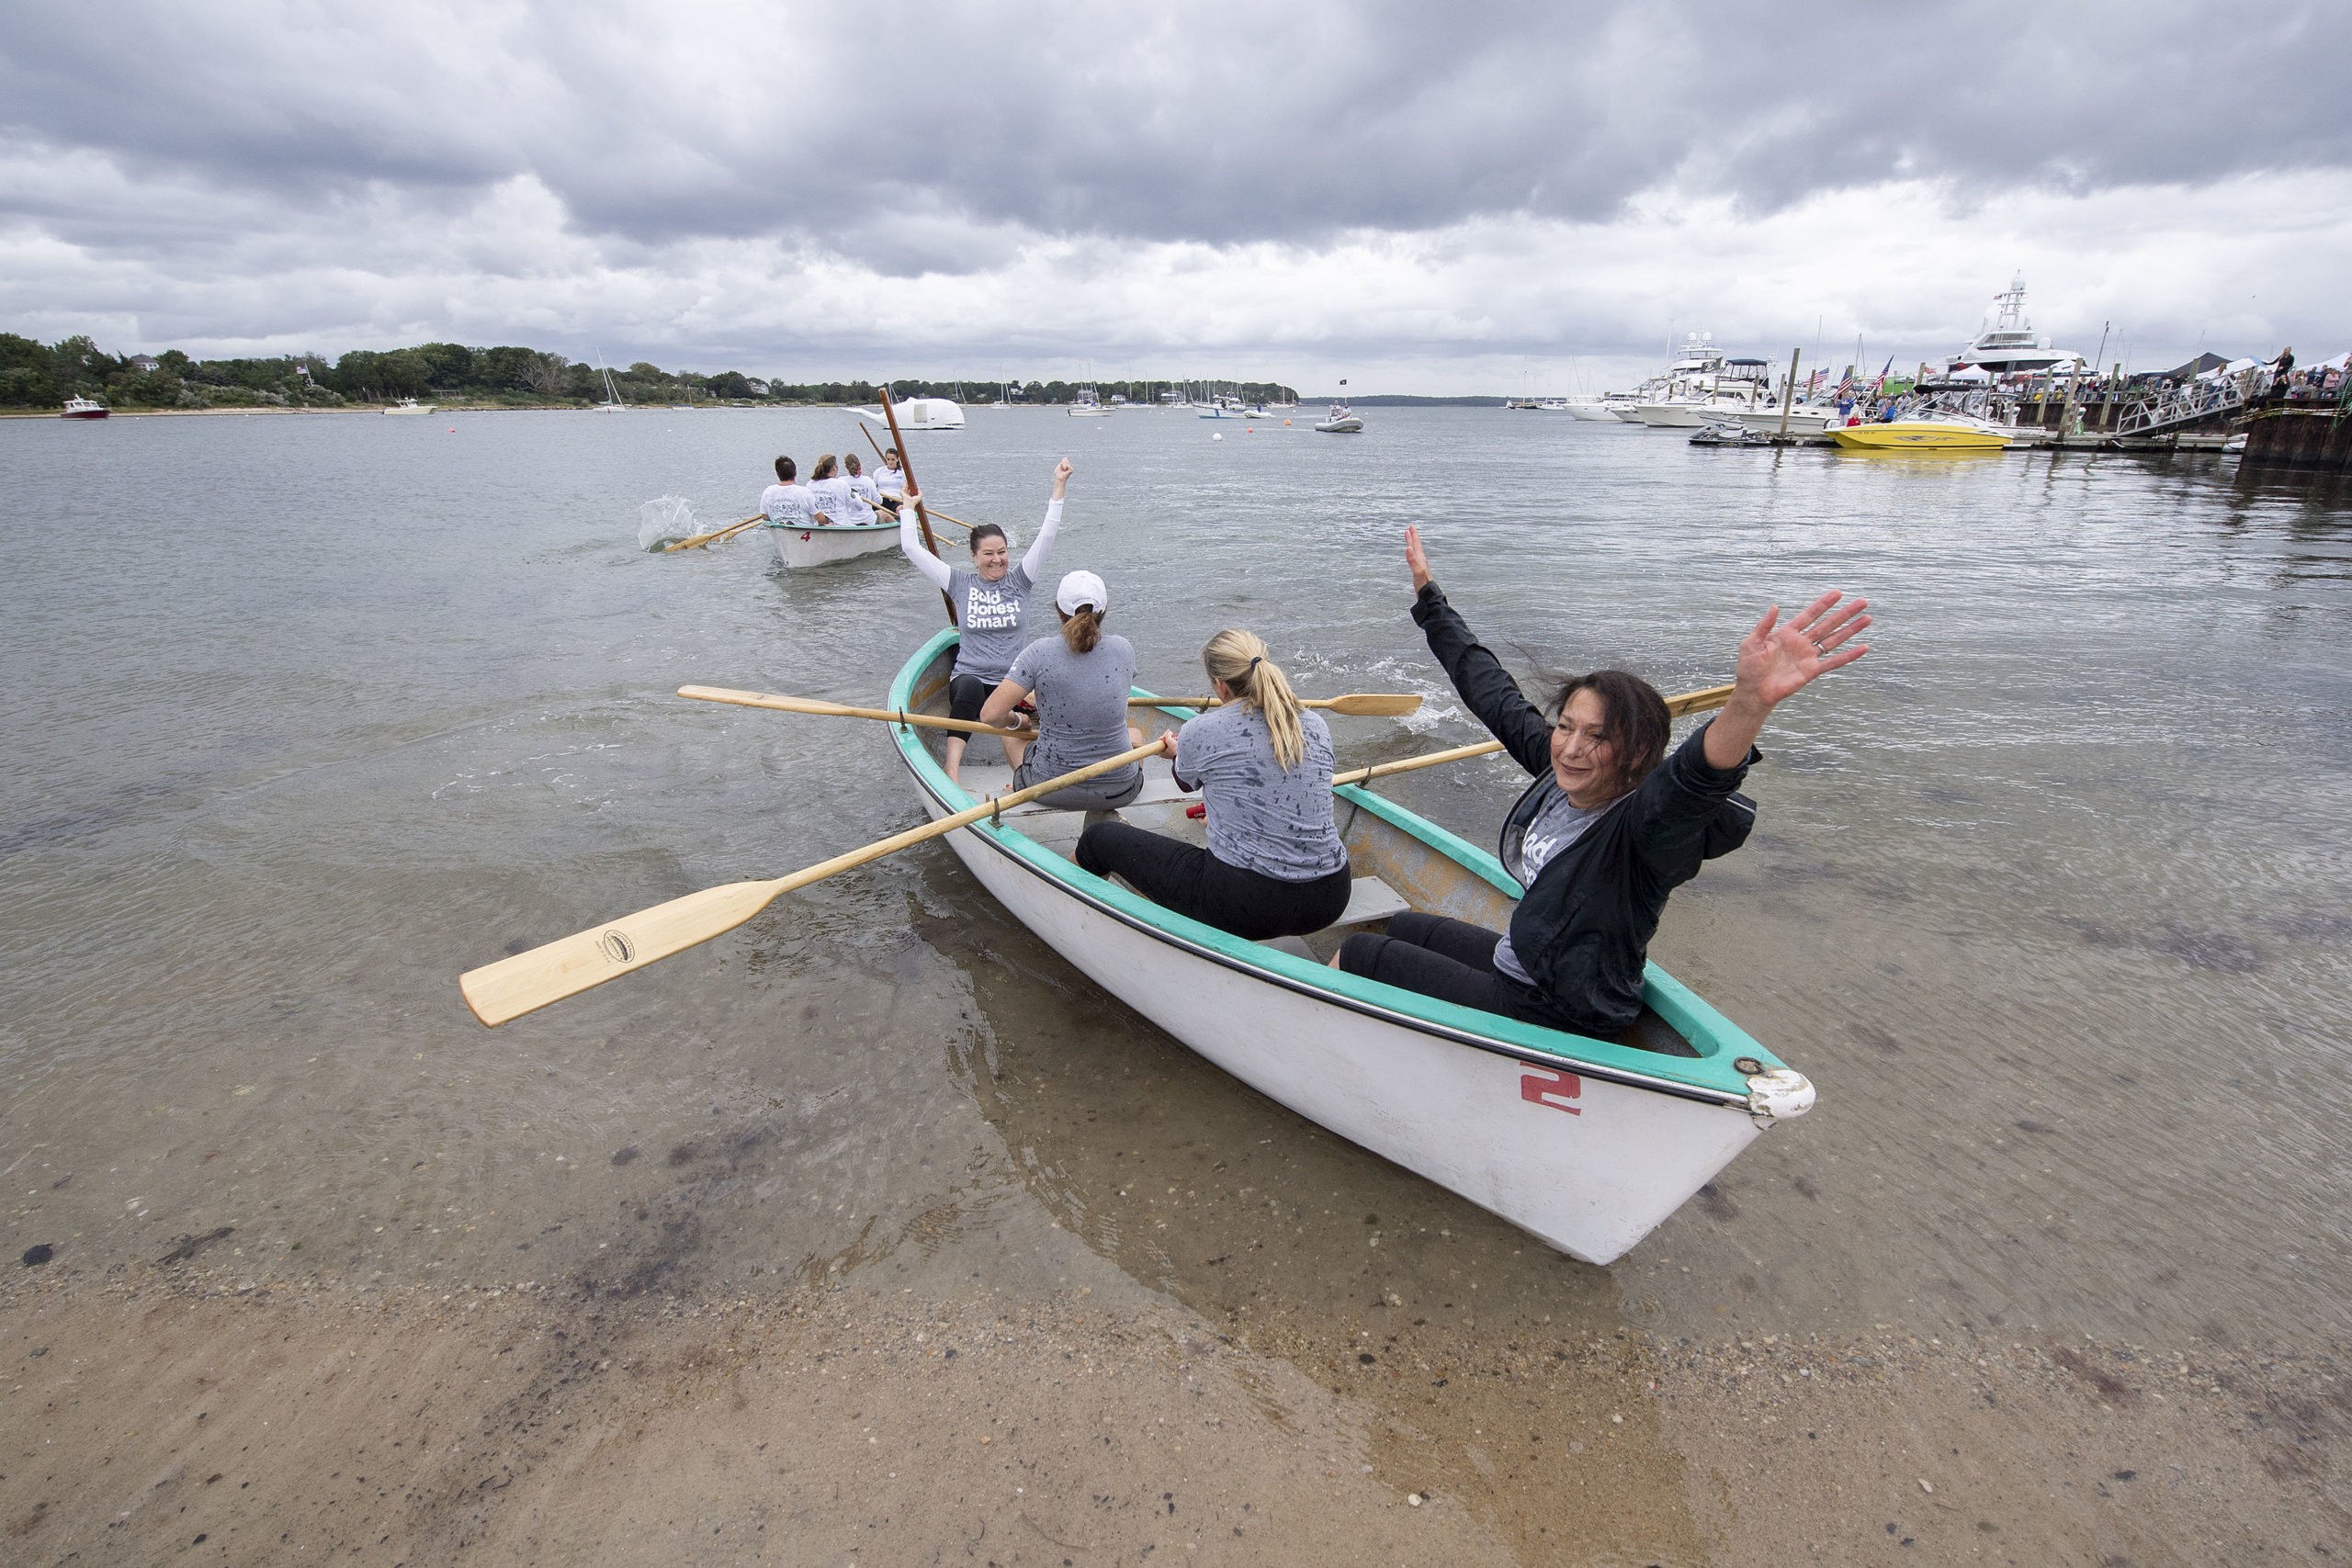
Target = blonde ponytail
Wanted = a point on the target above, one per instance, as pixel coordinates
(1238, 659)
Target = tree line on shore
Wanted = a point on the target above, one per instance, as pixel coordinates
(41, 376)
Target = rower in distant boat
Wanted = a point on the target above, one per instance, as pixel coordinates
(1274, 865)
(837, 503)
(1611, 827)
(891, 480)
(865, 489)
(1081, 681)
(787, 504)
(991, 600)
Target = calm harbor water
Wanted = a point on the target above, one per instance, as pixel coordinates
(306, 715)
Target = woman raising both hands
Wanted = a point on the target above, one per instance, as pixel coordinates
(1612, 824)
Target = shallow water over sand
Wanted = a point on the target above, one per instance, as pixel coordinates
(307, 715)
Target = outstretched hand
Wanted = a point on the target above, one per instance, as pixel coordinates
(1777, 658)
(1416, 560)
(1061, 478)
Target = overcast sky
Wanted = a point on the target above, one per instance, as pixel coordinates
(1421, 198)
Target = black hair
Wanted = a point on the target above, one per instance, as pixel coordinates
(785, 470)
(987, 531)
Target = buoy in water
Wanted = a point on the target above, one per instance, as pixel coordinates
(1217, 436)
(1285, 422)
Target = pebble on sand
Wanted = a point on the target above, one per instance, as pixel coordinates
(37, 1255)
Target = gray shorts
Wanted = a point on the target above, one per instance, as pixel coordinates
(1106, 792)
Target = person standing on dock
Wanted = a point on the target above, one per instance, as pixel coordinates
(787, 504)
(991, 600)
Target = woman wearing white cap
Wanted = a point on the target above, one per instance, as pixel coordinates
(991, 600)
(1274, 865)
(1081, 681)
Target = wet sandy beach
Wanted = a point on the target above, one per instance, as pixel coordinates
(2044, 904)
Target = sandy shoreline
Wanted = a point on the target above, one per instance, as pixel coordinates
(192, 1411)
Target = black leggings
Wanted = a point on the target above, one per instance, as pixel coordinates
(1451, 960)
(1191, 881)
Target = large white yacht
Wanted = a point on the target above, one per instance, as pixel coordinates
(2008, 345)
(1701, 386)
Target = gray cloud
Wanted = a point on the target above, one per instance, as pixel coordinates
(893, 134)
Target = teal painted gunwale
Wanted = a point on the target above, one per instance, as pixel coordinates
(1718, 1039)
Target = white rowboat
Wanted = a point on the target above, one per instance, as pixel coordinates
(824, 543)
(1586, 1143)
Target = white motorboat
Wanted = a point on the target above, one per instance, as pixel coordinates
(84, 407)
(2008, 345)
(1594, 409)
(825, 542)
(1804, 419)
(921, 413)
(1340, 421)
(409, 405)
(1587, 1144)
(1089, 406)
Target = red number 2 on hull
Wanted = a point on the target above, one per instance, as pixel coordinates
(1552, 1087)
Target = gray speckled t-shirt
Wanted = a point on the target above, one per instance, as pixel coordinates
(1082, 705)
(1262, 818)
(1557, 823)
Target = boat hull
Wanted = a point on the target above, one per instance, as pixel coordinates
(1904, 437)
(86, 413)
(823, 546)
(1803, 420)
(1587, 1153)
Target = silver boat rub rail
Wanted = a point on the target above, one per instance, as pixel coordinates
(1769, 1094)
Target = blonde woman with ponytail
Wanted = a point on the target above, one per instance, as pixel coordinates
(1274, 865)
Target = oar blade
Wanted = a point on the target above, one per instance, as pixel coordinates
(528, 981)
(1376, 705)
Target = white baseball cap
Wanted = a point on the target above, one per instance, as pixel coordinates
(1079, 590)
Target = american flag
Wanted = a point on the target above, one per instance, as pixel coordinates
(1880, 385)
(1846, 384)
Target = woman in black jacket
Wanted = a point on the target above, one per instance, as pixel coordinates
(1611, 826)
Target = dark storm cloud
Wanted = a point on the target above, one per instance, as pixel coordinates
(900, 136)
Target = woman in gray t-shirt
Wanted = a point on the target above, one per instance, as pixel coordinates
(1081, 681)
(992, 601)
(1274, 865)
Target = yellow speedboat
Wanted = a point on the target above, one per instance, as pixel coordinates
(1922, 436)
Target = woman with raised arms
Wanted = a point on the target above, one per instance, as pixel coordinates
(1611, 825)
(991, 600)
(1081, 681)
(1274, 865)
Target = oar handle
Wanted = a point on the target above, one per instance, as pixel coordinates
(1702, 701)
(840, 710)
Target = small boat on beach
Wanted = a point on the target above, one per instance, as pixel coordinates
(1932, 434)
(823, 544)
(1586, 1143)
(84, 407)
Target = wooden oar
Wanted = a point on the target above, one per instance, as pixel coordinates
(528, 981)
(907, 467)
(729, 532)
(1361, 705)
(1689, 702)
(837, 710)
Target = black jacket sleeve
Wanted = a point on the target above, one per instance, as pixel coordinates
(1680, 810)
(1490, 693)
